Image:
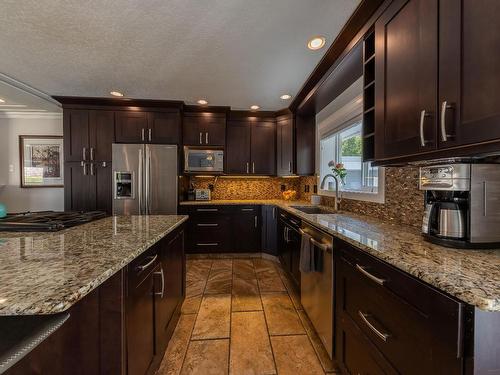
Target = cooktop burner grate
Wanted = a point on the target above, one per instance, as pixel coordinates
(47, 221)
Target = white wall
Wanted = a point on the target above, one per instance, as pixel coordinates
(19, 199)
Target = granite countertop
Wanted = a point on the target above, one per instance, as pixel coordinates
(472, 276)
(46, 273)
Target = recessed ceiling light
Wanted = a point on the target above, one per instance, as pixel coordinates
(116, 93)
(254, 107)
(285, 96)
(316, 43)
(2, 100)
(202, 102)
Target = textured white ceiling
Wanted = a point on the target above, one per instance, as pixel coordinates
(231, 52)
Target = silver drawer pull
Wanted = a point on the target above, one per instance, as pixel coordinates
(369, 275)
(160, 273)
(207, 225)
(208, 244)
(365, 317)
(207, 209)
(247, 209)
(144, 266)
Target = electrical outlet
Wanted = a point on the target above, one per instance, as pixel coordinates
(283, 187)
(315, 189)
(306, 188)
(11, 168)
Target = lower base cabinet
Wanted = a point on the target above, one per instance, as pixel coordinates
(389, 322)
(223, 228)
(289, 243)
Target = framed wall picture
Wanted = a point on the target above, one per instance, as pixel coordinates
(41, 161)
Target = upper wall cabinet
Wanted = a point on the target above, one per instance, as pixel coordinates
(148, 127)
(204, 129)
(406, 78)
(250, 147)
(285, 145)
(436, 78)
(88, 134)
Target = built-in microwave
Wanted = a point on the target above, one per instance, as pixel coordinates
(203, 160)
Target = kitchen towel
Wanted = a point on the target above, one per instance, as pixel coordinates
(307, 258)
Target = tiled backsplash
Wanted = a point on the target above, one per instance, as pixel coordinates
(403, 201)
(247, 188)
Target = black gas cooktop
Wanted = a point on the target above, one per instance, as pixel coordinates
(47, 221)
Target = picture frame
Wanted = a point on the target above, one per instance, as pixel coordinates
(41, 161)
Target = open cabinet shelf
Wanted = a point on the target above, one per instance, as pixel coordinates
(369, 96)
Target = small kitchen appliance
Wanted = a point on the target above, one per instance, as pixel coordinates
(462, 204)
(198, 160)
(202, 194)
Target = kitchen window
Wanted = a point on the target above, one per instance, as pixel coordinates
(339, 137)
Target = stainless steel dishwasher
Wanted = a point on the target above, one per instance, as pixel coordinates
(316, 290)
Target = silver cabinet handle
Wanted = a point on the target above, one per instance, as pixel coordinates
(365, 317)
(248, 167)
(444, 107)
(104, 164)
(139, 183)
(142, 134)
(149, 134)
(84, 154)
(208, 244)
(160, 273)
(274, 212)
(206, 138)
(91, 169)
(207, 225)
(144, 266)
(422, 137)
(247, 209)
(369, 275)
(320, 245)
(255, 221)
(253, 167)
(91, 153)
(290, 166)
(201, 138)
(84, 165)
(207, 209)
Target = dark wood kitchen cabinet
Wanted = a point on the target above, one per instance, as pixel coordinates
(88, 186)
(406, 47)
(285, 145)
(88, 134)
(384, 317)
(436, 79)
(163, 127)
(204, 129)
(246, 228)
(469, 77)
(270, 229)
(251, 147)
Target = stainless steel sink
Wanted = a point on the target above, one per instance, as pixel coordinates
(312, 210)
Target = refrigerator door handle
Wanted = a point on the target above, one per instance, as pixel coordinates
(148, 180)
(139, 181)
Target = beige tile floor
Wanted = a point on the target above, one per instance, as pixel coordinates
(241, 316)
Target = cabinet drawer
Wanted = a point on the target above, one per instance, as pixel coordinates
(398, 325)
(142, 266)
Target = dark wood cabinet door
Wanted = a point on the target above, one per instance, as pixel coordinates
(131, 126)
(469, 74)
(305, 145)
(101, 135)
(238, 148)
(406, 51)
(77, 187)
(165, 127)
(285, 163)
(295, 242)
(76, 134)
(102, 187)
(169, 289)
(192, 132)
(284, 252)
(246, 229)
(263, 148)
(214, 128)
(140, 327)
(270, 229)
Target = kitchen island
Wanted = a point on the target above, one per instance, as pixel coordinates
(113, 277)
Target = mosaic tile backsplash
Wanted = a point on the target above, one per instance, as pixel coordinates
(403, 201)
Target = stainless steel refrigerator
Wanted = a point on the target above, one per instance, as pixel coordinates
(144, 179)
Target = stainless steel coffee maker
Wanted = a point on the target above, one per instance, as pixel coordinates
(462, 204)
